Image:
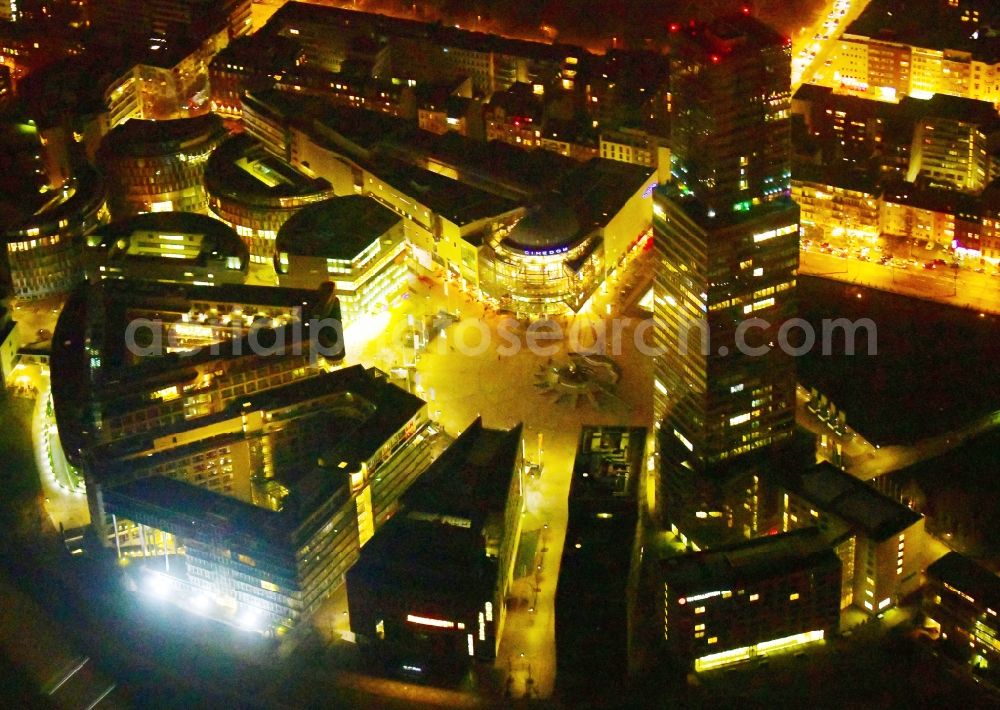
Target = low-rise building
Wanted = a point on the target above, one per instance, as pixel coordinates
(172, 247)
(963, 599)
(736, 603)
(879, 540)
(353, 241)
(255, 193)
(835, 201)
(159, 166)
(939, 216)
(267, 567)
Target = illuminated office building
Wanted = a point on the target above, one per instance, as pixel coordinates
(952, 139)
(116, 382)
(430, 591)
(352, 241)
(555, 257)
(963, 598)
(919, 49)
(255, 193)
(593, 598)
(172, 247)
(879, 540)
(727, 250)
(224, 454)
(43, 250)
(741, 602)
(269, 563)
(159, 166)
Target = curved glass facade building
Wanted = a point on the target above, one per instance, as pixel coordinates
(159, 166)
(255, 193)
(546, 263)
(43, 251)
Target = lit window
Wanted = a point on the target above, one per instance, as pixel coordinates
(699, 610)
(793, 596)
(754, 597)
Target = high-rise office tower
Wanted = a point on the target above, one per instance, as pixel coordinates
(727, 251)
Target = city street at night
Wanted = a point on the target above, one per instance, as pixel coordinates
(376, 354)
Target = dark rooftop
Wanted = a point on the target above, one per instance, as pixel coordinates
(731, 34)
(608, 463)
(551, 225)
(958, 108)
(338, 228)
(599, 188)
(424, 557)
(587, 199)
(226, 516)
(472, 477)
(969, 577)
(243, 170)
(454, 200)
(843, 175)
(757, 559)
(932, 25)
(140, 138)
(861, 506)
(937, 199)
(299, 13)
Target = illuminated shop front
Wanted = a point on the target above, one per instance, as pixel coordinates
(545, 263)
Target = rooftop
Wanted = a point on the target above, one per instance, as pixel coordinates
(243, 170)
(472, 478)
(587, 199)
(843, 175)
(865, 509)
(338, 228)
(456, 201)
(758, 559)
(223, 515)
(729, 35)
(936, 199)
(608, 462)
(957, 108)
(299, 13)
(428, 558)
(968, 577)
(179, 236)
(932, 25)
(144, 138)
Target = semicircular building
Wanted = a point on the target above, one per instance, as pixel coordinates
(43, 249)
(255, 192)
(353, 241)
(159, 166)
(175, 247)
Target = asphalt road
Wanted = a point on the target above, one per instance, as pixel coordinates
(957, 287)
